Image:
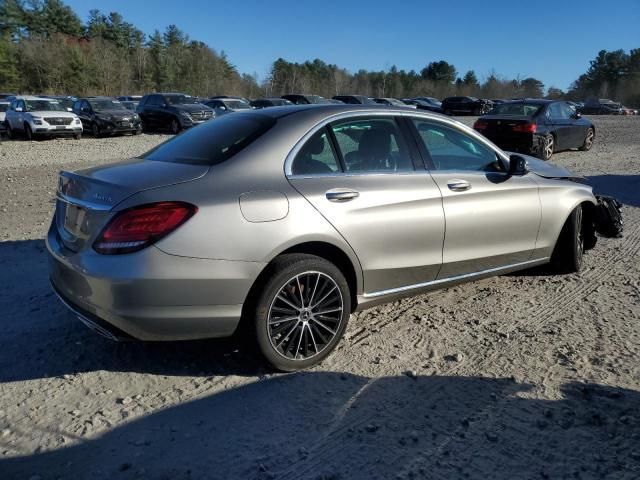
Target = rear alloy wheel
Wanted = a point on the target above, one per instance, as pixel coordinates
(588, 140)
(569, 250)
(175, 126)
(547, 147)
(302, 311)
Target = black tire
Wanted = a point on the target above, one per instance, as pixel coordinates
(137, 131)
(569, 250)
(588, 140)
(28, 133)
(175, 126)
(95, 130)
(448, 112)
(477, 112)
(547, 148)
(77, 136)
(286, 281)
(10, 133)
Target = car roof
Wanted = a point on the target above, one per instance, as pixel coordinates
(327, 109)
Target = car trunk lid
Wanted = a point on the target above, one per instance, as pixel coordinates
(86, 198)
(501, 126)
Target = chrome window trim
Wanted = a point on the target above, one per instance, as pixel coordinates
(465, 276)
(391, 112)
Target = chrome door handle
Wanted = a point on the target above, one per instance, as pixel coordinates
(341, 195)
(458, 185)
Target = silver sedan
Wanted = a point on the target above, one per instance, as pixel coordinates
(287, 220)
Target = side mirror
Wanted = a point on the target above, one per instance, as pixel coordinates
(517, 165)
(577, 115)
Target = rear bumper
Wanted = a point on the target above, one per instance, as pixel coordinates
(527, 144)
(150, 295)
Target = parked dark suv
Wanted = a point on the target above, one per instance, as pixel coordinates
(171, 111)
(466, 106)
(106, 116)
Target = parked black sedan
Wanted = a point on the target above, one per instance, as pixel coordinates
(172, 111)
(466, 106)
(421, 104)
(536, 127)
(106, 116)
(303, 99)
(270, 102)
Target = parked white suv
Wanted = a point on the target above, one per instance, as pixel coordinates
(38, 116)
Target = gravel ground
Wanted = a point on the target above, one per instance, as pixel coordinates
(522, 376)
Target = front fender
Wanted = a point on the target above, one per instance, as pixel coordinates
(558, 198)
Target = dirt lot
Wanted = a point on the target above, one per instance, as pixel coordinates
(524, 376)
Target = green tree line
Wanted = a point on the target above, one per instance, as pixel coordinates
(46, 48)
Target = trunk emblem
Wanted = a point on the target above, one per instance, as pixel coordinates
(101, 197)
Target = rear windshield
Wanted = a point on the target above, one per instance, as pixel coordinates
(212, 142)
(516, 109)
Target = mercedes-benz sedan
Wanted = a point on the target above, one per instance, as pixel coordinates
(288, 219)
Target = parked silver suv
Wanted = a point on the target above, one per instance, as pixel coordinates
(40, 117)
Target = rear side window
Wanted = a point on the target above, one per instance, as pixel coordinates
(370, 145)
(316, 157)
(212, 142)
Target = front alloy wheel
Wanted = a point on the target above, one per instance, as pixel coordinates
(302, 312)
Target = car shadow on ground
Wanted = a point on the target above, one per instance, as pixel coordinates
(625, 188)
(49, 341)
(328, 425)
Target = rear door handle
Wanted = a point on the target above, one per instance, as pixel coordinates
(458, 185)
(341, 195)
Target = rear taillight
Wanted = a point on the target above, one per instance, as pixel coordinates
(136, 228)
(480, 125)
(525, 128)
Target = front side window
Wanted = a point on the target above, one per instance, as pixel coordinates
(316, 157)
(451, 149)
(370, 145)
